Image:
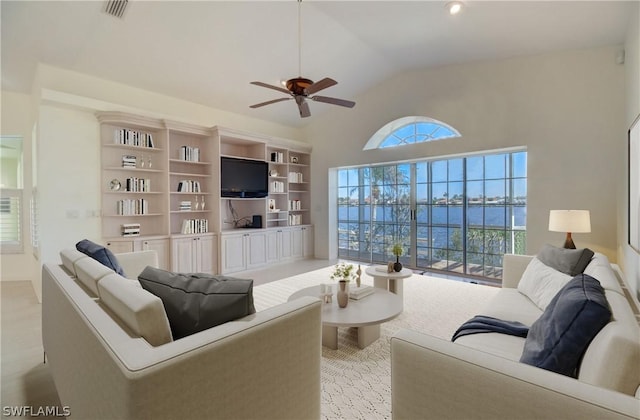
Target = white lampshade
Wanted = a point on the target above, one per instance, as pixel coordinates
(574, 221)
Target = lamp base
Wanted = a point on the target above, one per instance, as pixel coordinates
(568, 243)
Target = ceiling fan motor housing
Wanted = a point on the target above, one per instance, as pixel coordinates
(298, 85)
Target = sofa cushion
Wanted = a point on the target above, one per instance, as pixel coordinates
(195, 302)
(512, 305)
(557, 340)
(569, 261)
(600, 268)
(101, 254)
(89, 272)
(541, 283)
(138, 309)
(69, 257)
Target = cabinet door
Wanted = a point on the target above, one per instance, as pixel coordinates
(182, 252)
(285, 244)
(161, 246)
(273, 245)
(206, 255)
(232, 253)
(308, 242)
(257, 249)
(118, 247)
(297, 242)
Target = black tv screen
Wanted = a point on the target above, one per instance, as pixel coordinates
(243, 178)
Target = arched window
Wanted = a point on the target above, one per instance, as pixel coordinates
(410, 130)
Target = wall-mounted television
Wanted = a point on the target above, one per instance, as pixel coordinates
(243, 178)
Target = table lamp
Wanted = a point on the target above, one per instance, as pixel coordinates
(576, 221)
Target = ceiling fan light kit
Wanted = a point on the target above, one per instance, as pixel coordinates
(301, 89)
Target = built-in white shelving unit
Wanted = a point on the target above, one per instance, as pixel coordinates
(161, 191)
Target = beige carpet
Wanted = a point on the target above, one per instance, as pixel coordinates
(356, 384)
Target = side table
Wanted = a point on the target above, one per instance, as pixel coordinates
(388, 281)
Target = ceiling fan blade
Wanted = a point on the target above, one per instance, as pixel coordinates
(319, 85)
(279, 89)
(334, 101)
(269, 102)
(303, 107)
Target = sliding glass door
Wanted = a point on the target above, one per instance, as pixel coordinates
(457, 215)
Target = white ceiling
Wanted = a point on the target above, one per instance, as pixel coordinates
(208, 51)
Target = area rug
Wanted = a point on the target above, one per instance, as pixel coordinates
(356, 384)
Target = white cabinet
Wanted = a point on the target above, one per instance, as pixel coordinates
(244, 251)
(297, 242)
(257, 249)
(307, 242)
(232, 253)
(196, 254)
(160, 245)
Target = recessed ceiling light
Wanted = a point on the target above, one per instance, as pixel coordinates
(454, 7)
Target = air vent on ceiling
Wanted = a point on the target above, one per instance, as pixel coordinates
(116, 7)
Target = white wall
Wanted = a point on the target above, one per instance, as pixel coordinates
(567, 108)
(629, 260)
(17, 119)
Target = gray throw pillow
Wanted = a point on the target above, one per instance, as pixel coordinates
(101, 254)
(558, 339)
(568, 261)
(195, 301)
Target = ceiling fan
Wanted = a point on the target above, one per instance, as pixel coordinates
(301, 89)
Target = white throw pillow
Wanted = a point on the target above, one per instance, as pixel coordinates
(541, 283)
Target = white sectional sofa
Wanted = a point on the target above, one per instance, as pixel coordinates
(479, 376)
(98, 329)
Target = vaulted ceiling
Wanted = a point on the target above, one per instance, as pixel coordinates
(207, 52)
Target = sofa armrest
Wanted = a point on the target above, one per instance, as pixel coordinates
(435, 378)
(513, 267)
(134, 262)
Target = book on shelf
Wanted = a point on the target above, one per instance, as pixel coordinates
(129, 161)
(195, 226)
(129, 137)
(189, 154)
(135, 184)
(185, 206)
(131, 229)
(129, 207)
(296, 177)
(189, 185)
(277, 157)
(357, 293)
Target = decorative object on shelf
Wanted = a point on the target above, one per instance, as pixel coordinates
(197, 205)
(142, 161)
(343, 294)
(294, 159)
(114, 185)
(272, 204)
(397, 251)
(273, 173)
(202, 203)
(358, 274)
(569, 221)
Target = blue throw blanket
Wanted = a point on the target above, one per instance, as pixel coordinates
(486, 324)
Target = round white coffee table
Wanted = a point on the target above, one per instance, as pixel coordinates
(388, 281)
(366, 314)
